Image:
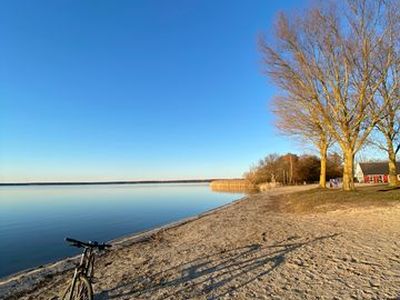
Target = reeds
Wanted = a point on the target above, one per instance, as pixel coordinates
(233, 186)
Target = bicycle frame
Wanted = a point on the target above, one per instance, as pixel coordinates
(84, 272)
(85, 267)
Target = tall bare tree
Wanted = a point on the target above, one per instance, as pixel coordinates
(388, 98)
(327, 57)
(296, 117)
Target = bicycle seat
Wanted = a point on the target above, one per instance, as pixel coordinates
(90, 244)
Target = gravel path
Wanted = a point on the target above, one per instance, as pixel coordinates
(248, 251)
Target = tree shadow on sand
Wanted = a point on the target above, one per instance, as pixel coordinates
(211, 276)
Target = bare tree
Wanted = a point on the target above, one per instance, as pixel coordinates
(388, 98)
(296, 117)
(267, 170)
(326, 59)
(291, 169)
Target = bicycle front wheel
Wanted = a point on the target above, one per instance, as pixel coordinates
(82, 290)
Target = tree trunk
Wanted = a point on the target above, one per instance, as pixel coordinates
(393, 181)
(348, 170)
(323, 157)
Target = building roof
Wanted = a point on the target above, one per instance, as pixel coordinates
(377, 168)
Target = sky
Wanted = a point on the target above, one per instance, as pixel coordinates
(133, 90)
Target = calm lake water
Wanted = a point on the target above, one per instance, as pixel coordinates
(35, 219)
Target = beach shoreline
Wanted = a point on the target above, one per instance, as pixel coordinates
(26, 280)
(246, 250)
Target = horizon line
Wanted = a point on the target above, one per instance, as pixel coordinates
(111, 182)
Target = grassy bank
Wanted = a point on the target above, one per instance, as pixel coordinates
(323, 200)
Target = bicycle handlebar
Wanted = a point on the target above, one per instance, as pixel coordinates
(90, 244)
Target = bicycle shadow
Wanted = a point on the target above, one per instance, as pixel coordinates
(211, 276)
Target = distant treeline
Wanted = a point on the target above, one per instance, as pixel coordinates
(293, 169)
(107, 182)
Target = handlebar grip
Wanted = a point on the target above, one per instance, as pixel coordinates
(69, 240)
(75, 243)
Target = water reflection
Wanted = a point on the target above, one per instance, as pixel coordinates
(35, 219)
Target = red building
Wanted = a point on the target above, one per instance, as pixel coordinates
(374, 172)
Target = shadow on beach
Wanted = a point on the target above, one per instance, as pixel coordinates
(211, 276)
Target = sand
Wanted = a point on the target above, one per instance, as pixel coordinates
(248, 251)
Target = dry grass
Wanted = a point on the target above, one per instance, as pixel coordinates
(232, 186)
(323, 200)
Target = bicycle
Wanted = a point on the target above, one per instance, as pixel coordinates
(80, 287)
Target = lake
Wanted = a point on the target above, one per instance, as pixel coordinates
(35, 219)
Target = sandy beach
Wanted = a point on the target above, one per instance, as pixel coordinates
(248, 250)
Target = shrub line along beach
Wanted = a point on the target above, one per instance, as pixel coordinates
(290, 242)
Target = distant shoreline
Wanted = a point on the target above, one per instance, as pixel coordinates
(109, 182)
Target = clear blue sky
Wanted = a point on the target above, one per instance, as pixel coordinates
(106, 90)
